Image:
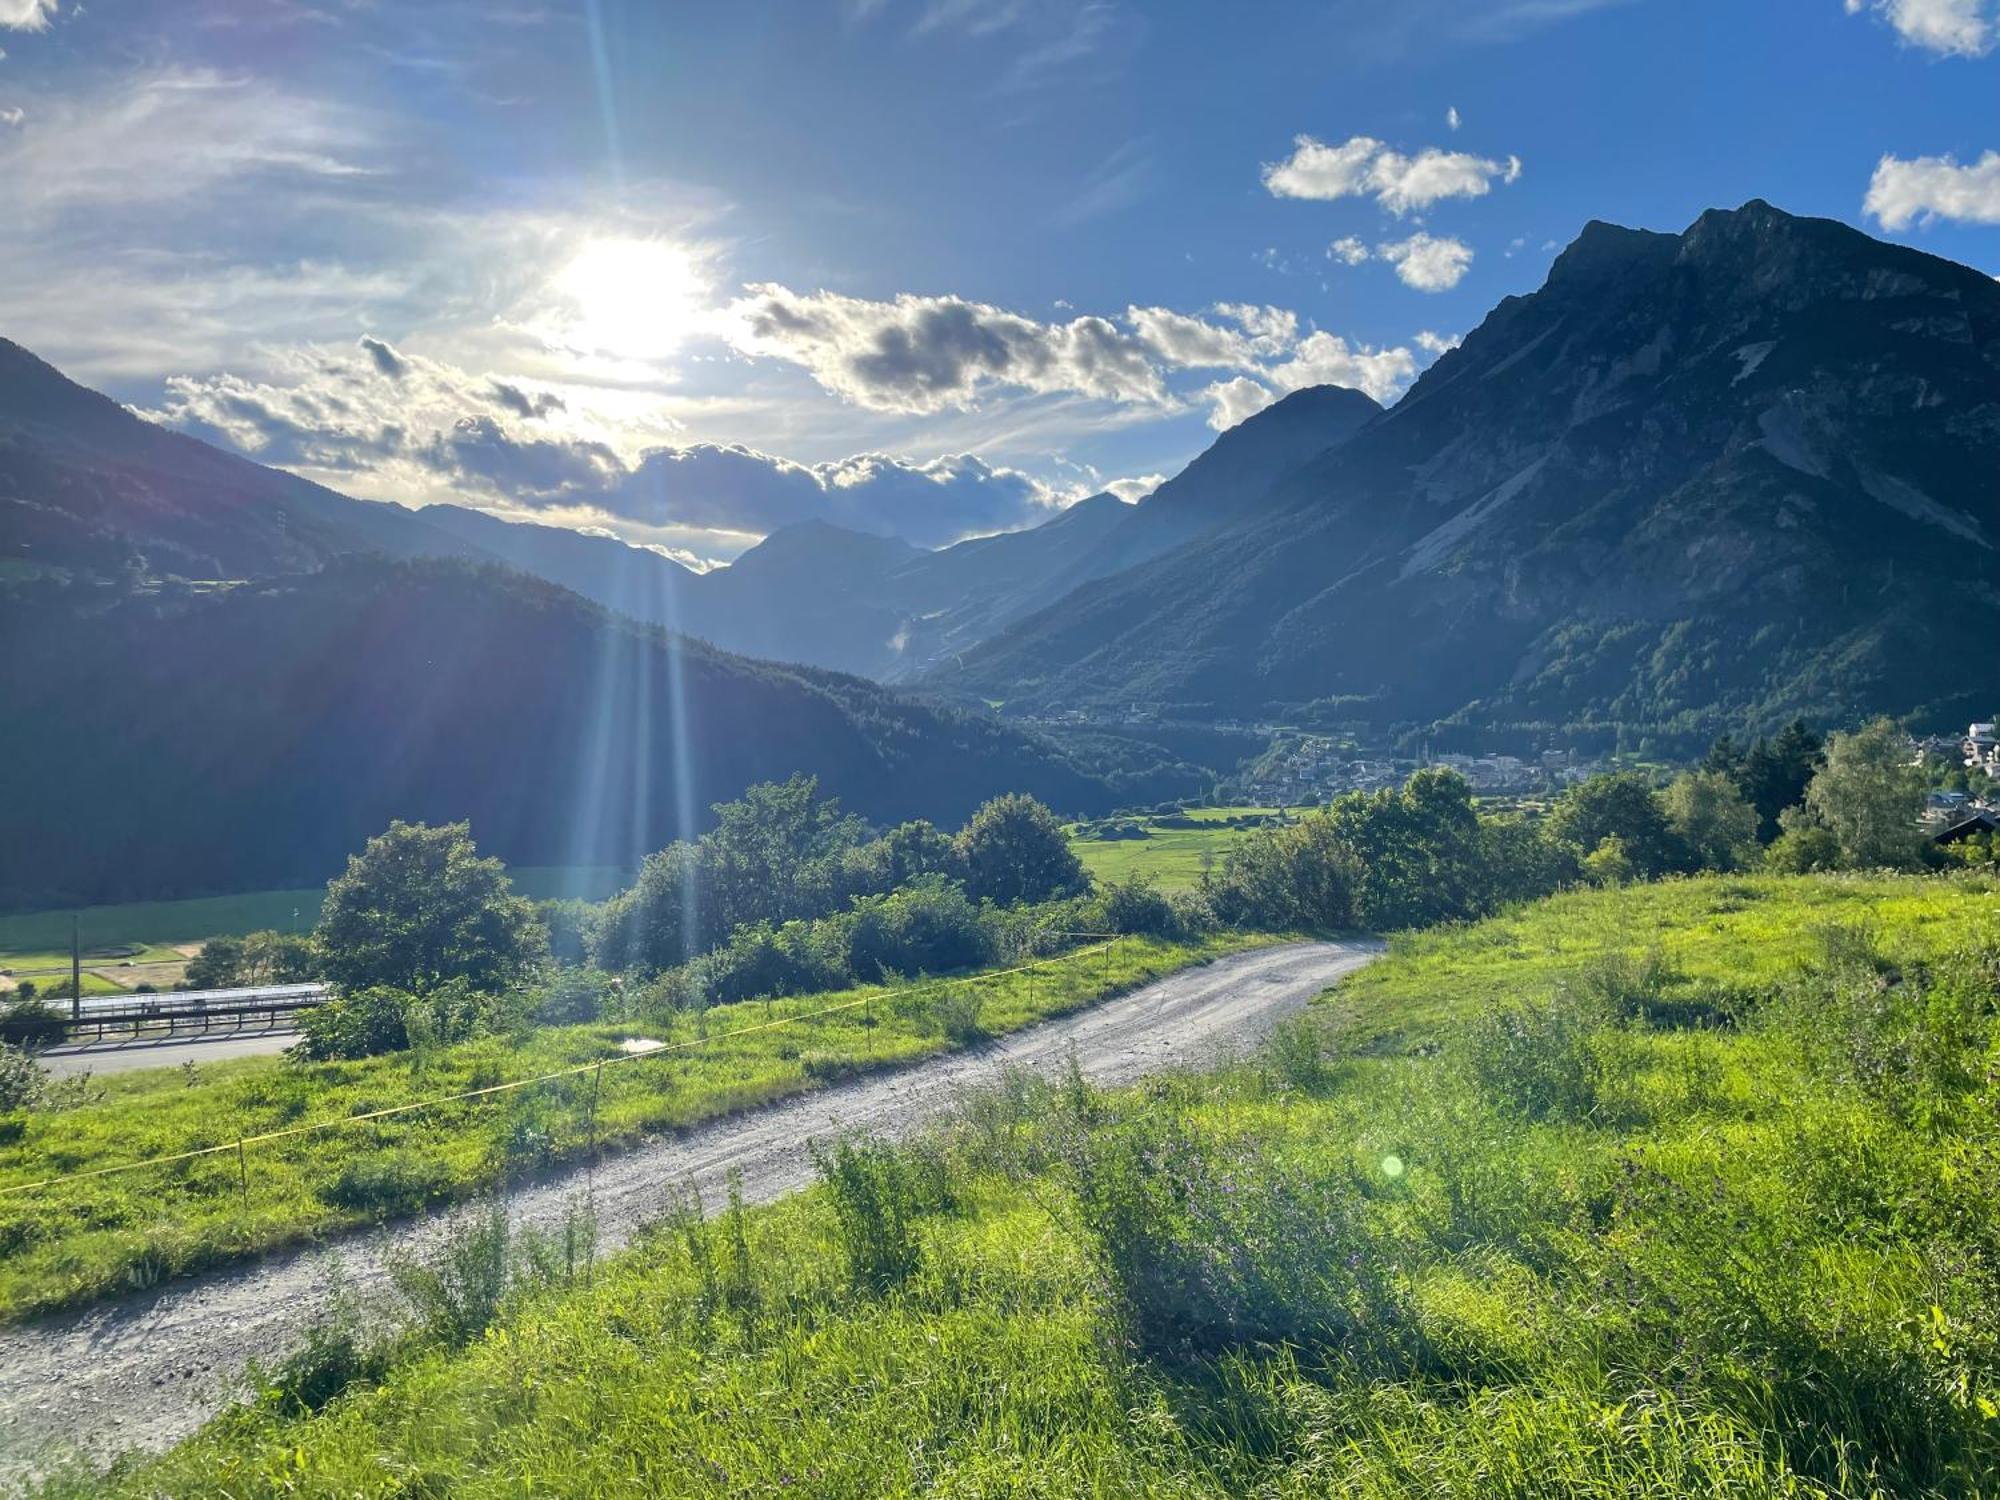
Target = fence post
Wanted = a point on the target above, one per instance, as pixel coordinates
(596, 1079)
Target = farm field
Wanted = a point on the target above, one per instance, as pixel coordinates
(1174, 858)
(1688, 1190)
(149, 940)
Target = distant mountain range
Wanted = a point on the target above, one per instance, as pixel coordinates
(1696, 481)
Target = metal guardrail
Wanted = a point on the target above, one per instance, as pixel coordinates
(98, 1017)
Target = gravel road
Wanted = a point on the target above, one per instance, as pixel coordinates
(147, 1371)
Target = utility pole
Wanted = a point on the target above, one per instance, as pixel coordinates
(75, 968)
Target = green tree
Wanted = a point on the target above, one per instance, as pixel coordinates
(1418, 848)
(1870, 795)
(419, 907)
(774, 855)
(1772, 774)
(219, 965)
(1295, 877)
(1803, 845)
(1708, 813)
(1014, 850)
(1620, 806)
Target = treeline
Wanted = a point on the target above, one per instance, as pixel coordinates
(1424, 854)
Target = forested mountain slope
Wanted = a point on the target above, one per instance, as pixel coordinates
(1717, 477)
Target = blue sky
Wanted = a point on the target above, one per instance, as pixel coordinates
(690, 272)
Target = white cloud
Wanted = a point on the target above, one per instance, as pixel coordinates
(1347, 250)
(1136, 488)
(926, 354)
(26, 15)
(436, 432)
(1934, 187)
(1430, 263)
(1323, 358)
(1451, 117)
(13, 116)
(1272, 330)
(1189, 342)
(1230, 401)
(1954, 28)
(1435, 344)
(1366, 167)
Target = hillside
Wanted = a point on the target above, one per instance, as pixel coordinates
(1694, 481)
(174, 744)
(86, 486)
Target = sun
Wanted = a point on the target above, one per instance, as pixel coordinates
(636, 299)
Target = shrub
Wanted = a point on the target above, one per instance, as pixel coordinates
(574, 996)
(797, 958)
(877, 1198)
(1134, 906)
(1301, 876)
(1015, 850)
(383, 1019)
(930, 927)
(571, 926)
(30, 1023)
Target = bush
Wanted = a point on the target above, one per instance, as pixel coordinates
(383, 1019)
(878, 1193)
(29, 1023)
(1298, 877)
(795, 959)
(1015, 850)
(1134, 907)
(574, 996)
(571, 926)
(929, 927)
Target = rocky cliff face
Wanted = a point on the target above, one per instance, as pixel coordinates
(1718, 476)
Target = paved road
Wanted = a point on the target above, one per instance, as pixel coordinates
(147, 1371)
(163, 1052)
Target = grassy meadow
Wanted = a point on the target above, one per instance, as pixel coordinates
(95, 1237)
(1172, 858)
(1690, 1189)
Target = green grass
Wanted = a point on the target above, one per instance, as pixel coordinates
(1560, 1254)
(94, 1237)
(31, 941)
(1173, 858)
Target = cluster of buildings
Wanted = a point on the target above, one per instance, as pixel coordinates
(1314, 768)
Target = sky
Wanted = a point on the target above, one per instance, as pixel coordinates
(687, 273)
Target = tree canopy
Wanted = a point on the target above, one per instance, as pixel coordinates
(418, 907)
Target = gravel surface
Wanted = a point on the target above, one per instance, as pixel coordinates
(146, 1371)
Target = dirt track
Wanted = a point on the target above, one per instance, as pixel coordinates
(147, 1371)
